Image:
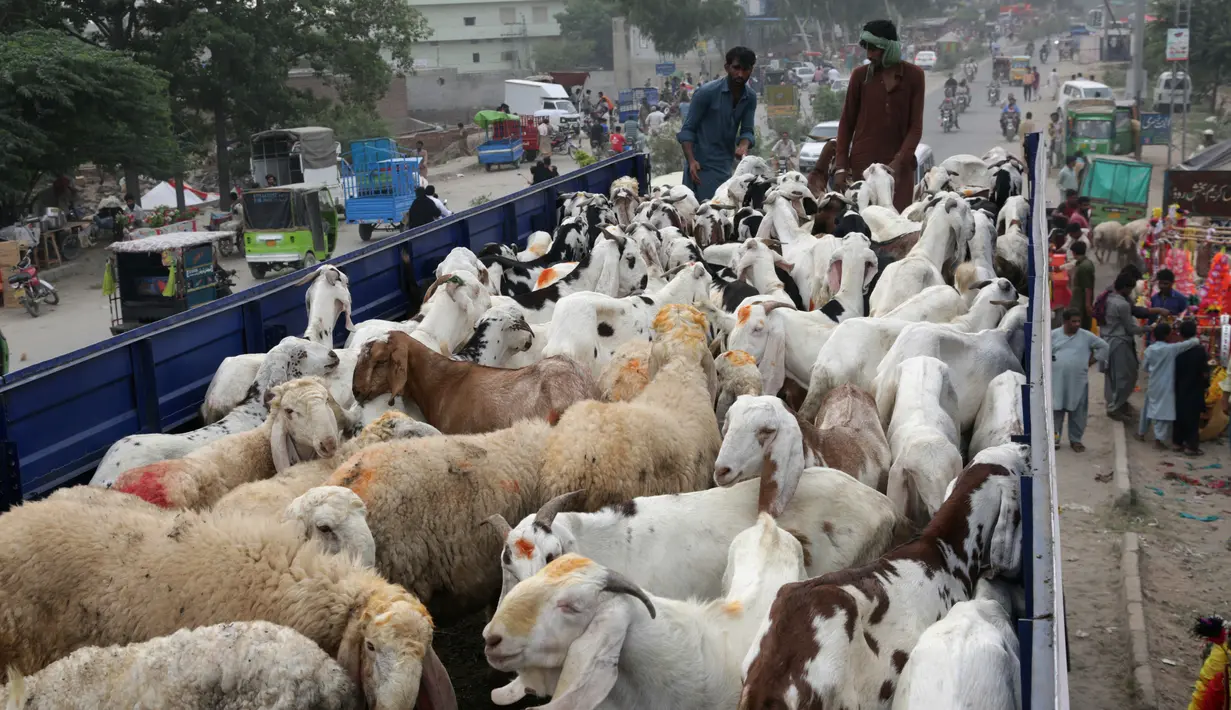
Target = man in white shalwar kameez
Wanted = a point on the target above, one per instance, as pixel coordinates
(1073, 351)
(1159, 365)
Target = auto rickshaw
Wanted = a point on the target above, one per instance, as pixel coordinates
(158, 276)
(1020, 65)
(1125, 139)
(1118, 188)
(1089, 126)
(292, 226)
(1002, 69)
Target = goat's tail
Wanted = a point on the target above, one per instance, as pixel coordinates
(17, 690)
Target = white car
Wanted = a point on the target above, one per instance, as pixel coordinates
(804, 74)
(925, 60)
(810, 151)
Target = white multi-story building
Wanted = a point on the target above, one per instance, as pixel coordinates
(484, 35)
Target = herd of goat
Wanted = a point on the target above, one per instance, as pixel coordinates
(752, 452)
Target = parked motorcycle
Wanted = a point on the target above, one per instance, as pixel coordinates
(29, 288)
(1009, 123)
(946, 119)
(993, 95)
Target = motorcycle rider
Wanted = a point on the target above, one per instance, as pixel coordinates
(971, 69)
(950, 85)
(783, 151)
(949, 103)
(1010, 112)
(993, 89)
(963, 90)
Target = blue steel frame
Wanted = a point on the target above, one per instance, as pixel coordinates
(1041, 632)
(58, 418)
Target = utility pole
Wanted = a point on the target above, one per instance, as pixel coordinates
(1139, 50)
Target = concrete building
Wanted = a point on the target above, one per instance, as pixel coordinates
(474, 36)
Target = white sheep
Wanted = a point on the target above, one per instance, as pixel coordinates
(302, 424)
(597, 639)
(244, 665)
(337, 518)
(628, 373)
(155, 573)
(271, 495)
(737, 375)
(289, 359)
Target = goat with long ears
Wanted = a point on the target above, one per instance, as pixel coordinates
(327, 298)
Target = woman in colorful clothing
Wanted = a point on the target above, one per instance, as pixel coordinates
(1210, 690)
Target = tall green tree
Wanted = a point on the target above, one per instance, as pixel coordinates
(588, 23)
(64, 102)
(1208, 47)
(675, 26)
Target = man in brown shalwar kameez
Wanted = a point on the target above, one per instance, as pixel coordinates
(882, 120)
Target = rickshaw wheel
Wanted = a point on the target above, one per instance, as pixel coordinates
(365, 231)
(489, 167)
(309, 259)
(257, 270)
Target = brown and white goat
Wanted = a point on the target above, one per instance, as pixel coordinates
(462, 397)
(842, 639)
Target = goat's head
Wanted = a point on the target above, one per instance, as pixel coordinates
(996, 292)
(755, 260)
(305, 422)
(854, 262)
(536, 541)
(338, 519)
(294, 357)
(762, 437)
(877, 188)
(382, 367)
(500, 333)
(572, 614)
(762, 337)
(387, 648)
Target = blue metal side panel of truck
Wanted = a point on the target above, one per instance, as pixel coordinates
(58, 418)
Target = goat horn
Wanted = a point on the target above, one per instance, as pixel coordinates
(431, 290)
(618, 584)
(1006, 304)
(566, 502)
(771, 306)
(501, 525)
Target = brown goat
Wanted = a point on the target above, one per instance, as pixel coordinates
(462, 397)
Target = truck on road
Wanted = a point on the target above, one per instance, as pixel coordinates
(542, 100)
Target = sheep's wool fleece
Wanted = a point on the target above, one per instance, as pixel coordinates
(236, 666)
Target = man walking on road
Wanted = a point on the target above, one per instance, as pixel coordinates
(721, 125)
(1119, 328)
(1073, 351)
(888, 131)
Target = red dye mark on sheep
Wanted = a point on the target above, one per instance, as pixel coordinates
(511, 486)
(742, 314)
(146, 483)
(553, 417)
(545, 278)
(525, 548)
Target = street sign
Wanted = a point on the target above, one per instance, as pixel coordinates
(1177, 44)
(1155, 128)
(664, 69)
(1204, 193)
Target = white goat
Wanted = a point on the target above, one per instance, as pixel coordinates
(1000, 416)
(942, 245)
(327, 298)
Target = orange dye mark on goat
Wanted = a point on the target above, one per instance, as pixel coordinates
(511, 486)
(146, 483)
(358, 478)
(743, 314)
(553, 417)
(525, 548)
(545, 278)
(739, 358)
(733, 608)
(565, 566)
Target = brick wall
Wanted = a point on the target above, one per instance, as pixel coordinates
(393, 107)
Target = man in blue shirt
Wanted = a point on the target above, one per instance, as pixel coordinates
(720, 125)
(1167, 297)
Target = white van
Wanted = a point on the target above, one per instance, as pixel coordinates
(540, 99)
(1083, 89)
(1169, 88)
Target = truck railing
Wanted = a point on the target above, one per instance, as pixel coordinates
(1041, 632)
(57, 418)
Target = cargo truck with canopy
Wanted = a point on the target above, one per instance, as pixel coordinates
(295, 156)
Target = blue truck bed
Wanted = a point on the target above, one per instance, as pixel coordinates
(379, 182)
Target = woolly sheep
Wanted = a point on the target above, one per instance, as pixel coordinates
(289, 359)
(246, 665)
(335, 516)
(165, 572)
(737, 375)
(302, 424)
(271, 495)
(628, 373)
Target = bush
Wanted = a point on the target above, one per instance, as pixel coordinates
(827, 105)
(480, 199)
(666, 155)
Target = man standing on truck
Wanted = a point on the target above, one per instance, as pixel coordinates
(888, 131)
(720, 126)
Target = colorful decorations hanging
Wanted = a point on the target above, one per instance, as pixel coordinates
(1216, 289)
